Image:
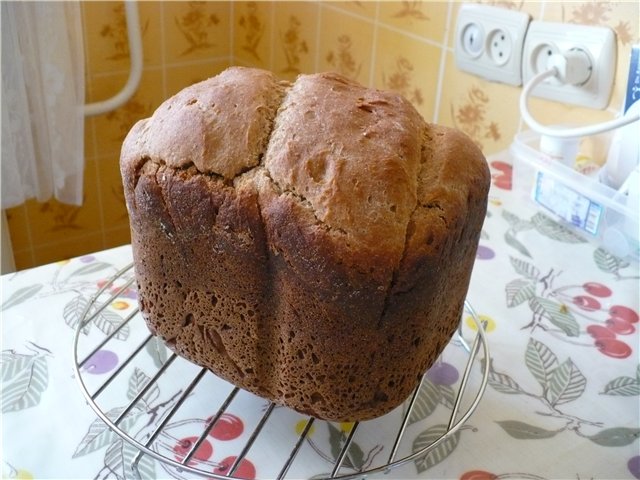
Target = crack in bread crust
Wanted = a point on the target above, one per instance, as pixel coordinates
(322, 260)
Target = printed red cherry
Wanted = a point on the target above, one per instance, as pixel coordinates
(244, 470)
(586, 303)
(227, 427)
(101, 362)
(619, 326)
(484, 253)
(502, 166)
(634, 466)
(624, 313)
(443, 373)
(478, 475)
(597, 289)
(613, 348)
(503, 181)
(203, 453)
(598, 331)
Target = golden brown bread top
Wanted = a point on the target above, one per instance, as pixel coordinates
(220, 125)
(362, 169)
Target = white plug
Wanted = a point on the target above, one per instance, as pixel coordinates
(572, 67)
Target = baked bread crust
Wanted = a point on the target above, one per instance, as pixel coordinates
(312, 243)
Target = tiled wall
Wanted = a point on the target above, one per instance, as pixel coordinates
(403, 45)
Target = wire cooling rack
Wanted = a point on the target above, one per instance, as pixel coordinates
(150, 444)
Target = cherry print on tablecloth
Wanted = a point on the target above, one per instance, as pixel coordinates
(443, 373)
(586, 302)
(202, 454)
(102, 361)
(634, 466)
(227, 427)
(478, 475)
(245, 469)
(624, 313)
(502, 179)
(484, 253)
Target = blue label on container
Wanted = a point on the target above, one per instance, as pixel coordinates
(571, 206)
(633, 83)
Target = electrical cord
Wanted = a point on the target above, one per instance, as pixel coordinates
(587, 130)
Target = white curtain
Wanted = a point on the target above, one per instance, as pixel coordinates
(42, 102)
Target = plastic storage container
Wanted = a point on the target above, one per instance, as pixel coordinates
(583, 204)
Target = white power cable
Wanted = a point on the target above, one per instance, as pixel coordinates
(562, 132)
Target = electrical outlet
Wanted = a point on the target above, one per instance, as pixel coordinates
(489, 42)
(597, 44)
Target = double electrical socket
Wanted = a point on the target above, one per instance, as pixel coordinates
(506, 46)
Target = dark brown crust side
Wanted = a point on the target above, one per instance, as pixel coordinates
(325, 272)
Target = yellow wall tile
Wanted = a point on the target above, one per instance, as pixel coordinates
(182, 76)
(295, 30)
(426, 19)
(253, 33)
(112, 128)
(69, 248)
(114, 210)
(24, 259)
(478, 108)
(196, 30)
(52, 221)
(106, 40)
(115, 237)
(345, 44)
(365, 8)
(409, 67)
(18, 227)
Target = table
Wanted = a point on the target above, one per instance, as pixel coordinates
(562, 400)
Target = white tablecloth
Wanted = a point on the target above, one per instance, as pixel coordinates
(562, 401)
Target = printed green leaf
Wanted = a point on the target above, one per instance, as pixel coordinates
(517, 224)
(438, 454)
(607, 262)
(100, 435)
(158, 351)
(519, 291)
(622, 386)
(355, 455)
(137, 382)
(557, 313)
(108, 321)
(566, 383)
(525, 269)
(525, 431)
(503, 383)
(616, 437)
(21, 295)
(540, 361)
(13, 363)
(73, 312)
(26, 388)
(512, 241)
(553, 230)
(426, 402)
(119, 457)
(90, 268)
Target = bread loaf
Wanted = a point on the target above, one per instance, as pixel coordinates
(309, 242)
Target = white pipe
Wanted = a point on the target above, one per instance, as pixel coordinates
(135, 53)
